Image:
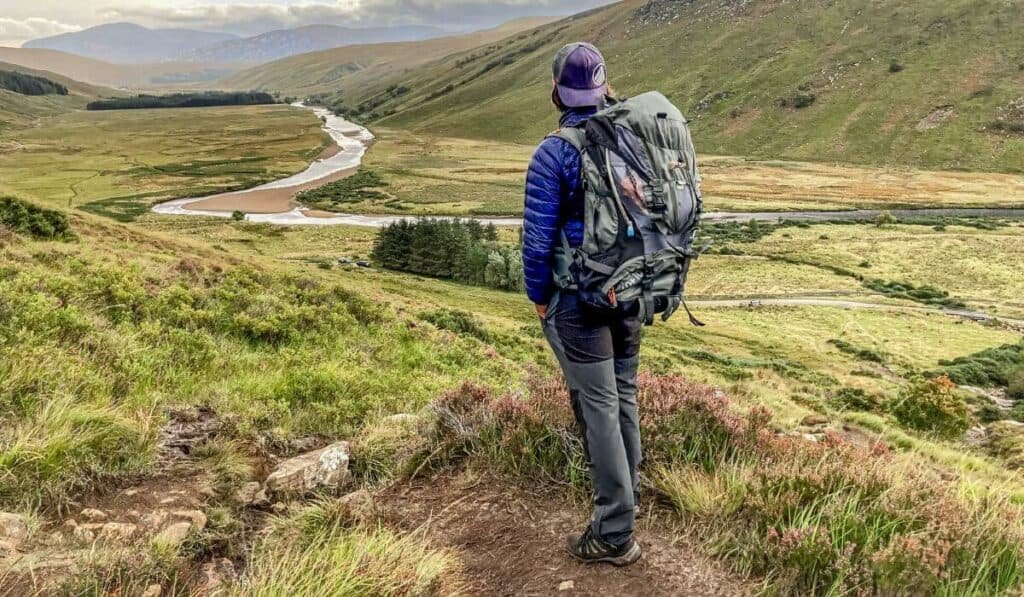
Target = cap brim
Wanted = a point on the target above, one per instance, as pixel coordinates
(581, 98)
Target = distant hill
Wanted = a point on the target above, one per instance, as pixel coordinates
(289, 42)
(319, 72)
(129, 76)
(911, 82)
(126, 43)
(18, 109)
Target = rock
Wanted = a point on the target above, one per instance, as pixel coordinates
(301, 445)
(216, 574)
(168, 500)
(83, 534)
(359, 506)
(810, 437)
(13, 528)
(567, 585)
(93, 515)
(70, 524)
(156, 519)
(197, 518)
(153, 591)
(252, 494)
(814, 421)
(117, 531)
(175, 534)
(326, 468)
(7, 548)
(278, 507)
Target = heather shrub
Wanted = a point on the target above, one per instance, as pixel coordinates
(932, 406)
(687, 422)
(824, 517)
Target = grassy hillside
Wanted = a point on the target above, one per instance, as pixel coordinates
(161, 325)
(875, 82)
(17, 110)
(355, 66)
(129, 76)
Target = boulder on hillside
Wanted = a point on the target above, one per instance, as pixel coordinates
(814, 421)
(321, 469)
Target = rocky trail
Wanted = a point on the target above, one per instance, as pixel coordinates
(508, 538)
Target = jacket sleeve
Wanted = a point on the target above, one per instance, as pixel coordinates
(545, 191)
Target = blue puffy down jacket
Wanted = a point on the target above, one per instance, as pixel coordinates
(552, 205)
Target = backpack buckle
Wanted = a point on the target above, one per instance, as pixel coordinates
(655, 195)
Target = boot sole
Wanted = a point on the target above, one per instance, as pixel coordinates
(630, 557)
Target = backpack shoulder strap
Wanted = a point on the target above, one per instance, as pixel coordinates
(573, 135)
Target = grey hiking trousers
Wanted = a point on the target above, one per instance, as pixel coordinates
(599, 353)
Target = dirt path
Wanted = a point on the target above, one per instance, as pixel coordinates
(510, 541)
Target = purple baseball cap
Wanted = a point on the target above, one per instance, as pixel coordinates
(580, 75)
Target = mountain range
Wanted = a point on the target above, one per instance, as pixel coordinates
(282, 43)
(127, 43)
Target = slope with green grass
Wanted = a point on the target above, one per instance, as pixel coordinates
(876, 82)
(324, 71)
(18, 109)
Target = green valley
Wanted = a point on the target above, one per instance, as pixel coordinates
(196, 405)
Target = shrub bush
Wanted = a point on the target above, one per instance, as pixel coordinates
(864, 354)
(1015, 383)
(37, 222)
(988, 368)
(932, 406)
(462, 323)
(856, 399)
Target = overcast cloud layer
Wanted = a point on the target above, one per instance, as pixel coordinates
(22, 20)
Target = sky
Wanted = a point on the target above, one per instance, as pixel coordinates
(22, 20)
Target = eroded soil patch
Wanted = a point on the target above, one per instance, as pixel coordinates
(510, 540)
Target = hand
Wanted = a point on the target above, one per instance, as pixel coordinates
(542, 311)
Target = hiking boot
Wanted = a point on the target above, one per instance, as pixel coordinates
(590, 550)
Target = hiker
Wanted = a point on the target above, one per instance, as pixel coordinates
(612, 205)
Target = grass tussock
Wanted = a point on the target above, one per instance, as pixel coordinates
(316, 552)
(825, 517)
(65, 447)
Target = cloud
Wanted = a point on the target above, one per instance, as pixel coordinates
(17, 31)
(245, 18)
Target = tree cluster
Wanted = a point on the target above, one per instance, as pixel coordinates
(184, 100)
(29, 84)
(462, 250)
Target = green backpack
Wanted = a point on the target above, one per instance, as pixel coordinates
(642, 207)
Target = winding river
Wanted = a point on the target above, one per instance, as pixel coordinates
(353, 141)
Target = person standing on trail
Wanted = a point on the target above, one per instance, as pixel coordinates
(611, 211)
